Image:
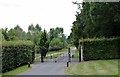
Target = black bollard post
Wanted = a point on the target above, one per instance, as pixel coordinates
(69, 55)
(67, 64)
(55, 59)
(72, 56)
(51, 57)
(28, 64)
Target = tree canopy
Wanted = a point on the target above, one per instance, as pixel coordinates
(96, 19)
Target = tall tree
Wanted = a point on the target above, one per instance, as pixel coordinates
(5, 34)
(96, 20)
(43, 43)
(37, 34)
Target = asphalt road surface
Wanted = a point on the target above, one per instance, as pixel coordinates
(50, 67)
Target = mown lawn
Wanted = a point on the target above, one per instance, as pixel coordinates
(98, 67)
(15, 71)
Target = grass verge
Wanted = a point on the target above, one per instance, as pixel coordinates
(76, 55)
(98, 67)
(15, 71)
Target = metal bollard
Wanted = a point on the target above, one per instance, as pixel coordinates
(67, 64)
(55, 59)
(51, 57)
(28, 64)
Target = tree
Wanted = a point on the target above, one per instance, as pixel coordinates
(20, 34)
(1, 36)
(56, 36)
(5, 35)
(38, 28)
(31, 29)
(96, 20)
(44, 45)
(55, 32)
(37, 34)
(16, 33)
(56, 44)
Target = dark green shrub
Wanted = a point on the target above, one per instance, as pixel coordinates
(15, 54)
(100, 49)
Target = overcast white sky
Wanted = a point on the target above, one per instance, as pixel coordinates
(47, 13)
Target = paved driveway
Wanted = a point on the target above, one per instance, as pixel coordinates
(50, 67)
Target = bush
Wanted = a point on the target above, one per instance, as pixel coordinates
(37, 49)
(15, 54)
(100, 49)
(56, 44)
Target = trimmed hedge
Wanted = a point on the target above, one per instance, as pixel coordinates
(101, 48)
(16, 53)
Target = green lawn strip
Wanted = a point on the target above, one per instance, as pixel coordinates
(16, 71)
(67, 71)
(115, 62)
(99, 67)
(74, 70)
(81, 68)
(112, 67)
(88, 68)
(102, 67)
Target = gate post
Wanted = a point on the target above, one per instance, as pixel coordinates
(82, 52)
(79, 56)
(69, 55)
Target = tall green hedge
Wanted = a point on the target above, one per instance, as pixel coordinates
(15, 54)
(101, 48)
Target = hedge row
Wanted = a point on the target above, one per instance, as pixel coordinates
(101, 48)
(15, 54)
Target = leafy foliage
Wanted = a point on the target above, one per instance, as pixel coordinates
(56, 44)
(15, 54)
(43, 45)
(100, 49)
(96, 19)
(57, 39)
(41, 39)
